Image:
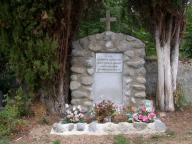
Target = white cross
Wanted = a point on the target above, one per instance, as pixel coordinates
(108, 20)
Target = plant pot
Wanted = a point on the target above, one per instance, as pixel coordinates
(107, 119)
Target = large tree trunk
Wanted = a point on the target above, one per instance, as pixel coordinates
(175, 57)
(167, 67)
(160, 82)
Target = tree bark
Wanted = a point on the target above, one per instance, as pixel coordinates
(175, 58)
(160, 82)
(165, 75)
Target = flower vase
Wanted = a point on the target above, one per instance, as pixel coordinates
(107, 119)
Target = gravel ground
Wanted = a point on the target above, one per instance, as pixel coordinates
(179, 125)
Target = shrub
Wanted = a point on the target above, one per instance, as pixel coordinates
(9, 120)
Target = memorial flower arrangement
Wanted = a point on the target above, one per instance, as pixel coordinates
(142, 115)
(73, 114)
(103, 110)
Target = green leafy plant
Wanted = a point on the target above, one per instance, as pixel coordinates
(9, 120)
(56, 142)
(120, 139)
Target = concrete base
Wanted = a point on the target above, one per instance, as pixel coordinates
(109, 128)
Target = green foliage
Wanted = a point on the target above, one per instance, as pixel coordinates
(56, 142)
(9, 120)
(180, 100)
(29, 52)
(120, 139)
(125, 23)
(186, 49)
(4, 140)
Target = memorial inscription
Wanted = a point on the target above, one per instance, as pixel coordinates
(109, 62)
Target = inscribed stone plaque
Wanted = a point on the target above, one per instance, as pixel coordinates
(108, 78)
(109, 62)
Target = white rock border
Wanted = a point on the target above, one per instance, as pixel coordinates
(157, 127)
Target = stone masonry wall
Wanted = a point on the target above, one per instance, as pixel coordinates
(83, 66)
(184, 78)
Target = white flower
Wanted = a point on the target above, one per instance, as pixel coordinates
(68, 112)
(66, 106)
(81, 115)
(79, 107)
(74, 108)
(75, 112)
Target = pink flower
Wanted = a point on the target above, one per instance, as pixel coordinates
(140, 117)
(145, 119)
(151, 115)
(135, 117)
(143, 108)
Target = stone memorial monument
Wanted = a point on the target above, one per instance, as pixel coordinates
(107, 66)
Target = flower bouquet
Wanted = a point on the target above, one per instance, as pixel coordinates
(73, 114)
(141, 117)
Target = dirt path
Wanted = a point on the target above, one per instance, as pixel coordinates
(179, 125)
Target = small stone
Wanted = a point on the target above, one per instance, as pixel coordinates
(77, 69)
(110, 127)
(140, 94)
(70, 127)
(125, 127)
(90, 62)
(136, 64)
(159, 126)
(74, 85)
(126, 58)
(130, 53)
(84, 42)
(74, 77)
(108, 44)
(127, 80)
(58, 128)
(124, 45)
(139, 125)
(98, 36)
(139, 87)
(87, 80)
(137, 44)
(76, 45)
(88, 103)
(130, 38)
(129, 71)
(90, 71)
(80, 126)
(76, 101)
(139, 52)
(94, 47)
(91, 37)
(93, 127)
(141, 80)
(79, 94)
(84, 109)
(80, 52)
(141, 71)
